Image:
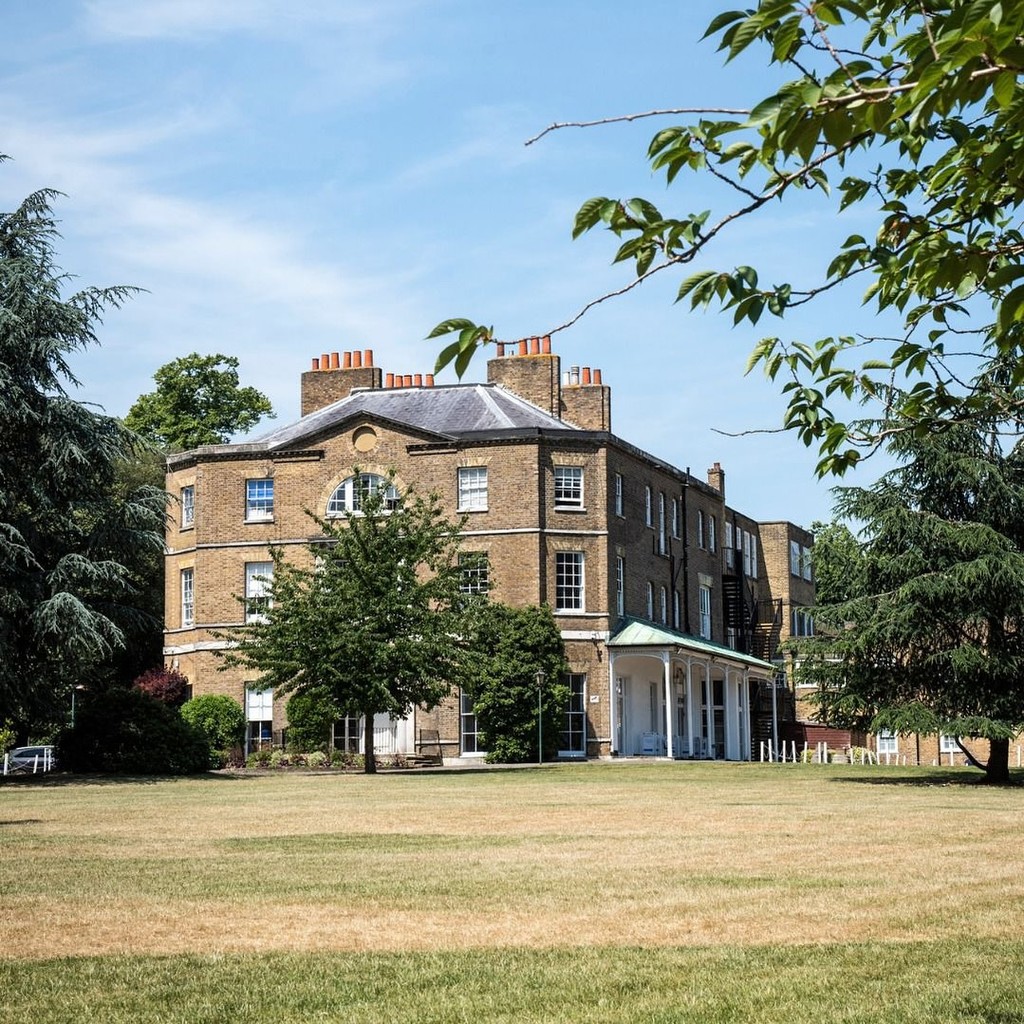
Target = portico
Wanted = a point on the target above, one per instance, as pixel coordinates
(674, 695)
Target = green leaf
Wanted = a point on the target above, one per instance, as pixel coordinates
(450, 326)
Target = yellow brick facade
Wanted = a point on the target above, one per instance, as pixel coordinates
(652, 537)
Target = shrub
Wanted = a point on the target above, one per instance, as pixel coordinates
(317, 759)
(220, 719)
(164, 684)
(258, 759)
(311, 716)
(128, 732)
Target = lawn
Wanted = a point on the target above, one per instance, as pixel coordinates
(599, 892)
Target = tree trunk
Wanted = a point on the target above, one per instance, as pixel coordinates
(369, 760)
(997, 770)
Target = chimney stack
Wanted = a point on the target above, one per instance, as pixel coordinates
(334, 376)
(716, 478)
(532, 374)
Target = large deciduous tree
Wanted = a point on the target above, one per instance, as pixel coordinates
(926, 633)
(73, 542)
(372, 619)
(198, 400)
(910, 112)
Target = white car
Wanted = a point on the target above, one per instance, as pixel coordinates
(28, 760)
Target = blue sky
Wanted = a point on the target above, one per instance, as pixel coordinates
(287, 179)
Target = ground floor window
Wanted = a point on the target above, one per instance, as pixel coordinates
(572, 740)
(887, 743)
(468, 735)
(346, 735)
(948, 745)
(259, 718)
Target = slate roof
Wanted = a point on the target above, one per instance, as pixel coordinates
(639, 633)
(449, 411)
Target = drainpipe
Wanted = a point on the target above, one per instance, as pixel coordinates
(686, 549)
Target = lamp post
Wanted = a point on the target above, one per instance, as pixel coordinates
(541, 676)
(74, 690)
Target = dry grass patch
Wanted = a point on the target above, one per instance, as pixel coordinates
(576, 856)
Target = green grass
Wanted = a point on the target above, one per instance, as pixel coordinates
(598, 892)
(954, 981)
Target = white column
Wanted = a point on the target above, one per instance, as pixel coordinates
(613, 706)
(709, 710)
(746, 752)
(690, 719)
(666, 659)
(730, 700)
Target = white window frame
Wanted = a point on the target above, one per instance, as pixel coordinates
(257, 598)
(188, 506)
(259, 499)
(650, 601)
(675, 609)
(887, 743)
(730, 548)
(794, 558)
(620, 585)
(648, 507)
(570, 581)
(662, 537)
(700, 528)
(801, 622)
(948, 744)
(346, 499)
(474, 572)
(704, 599)
(712, 534)
(472, 484)
(188, 597)
(618, 495)
(675, 518)
(572, 738)
(468, 728)
(663, 606)
(259, 711)
(805, 563)
(569, 487)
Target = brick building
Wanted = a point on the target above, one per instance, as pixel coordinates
(672, 604)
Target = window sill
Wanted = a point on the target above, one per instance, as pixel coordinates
(570, 508)
(249, 520)
(470, 511)
(186, 529)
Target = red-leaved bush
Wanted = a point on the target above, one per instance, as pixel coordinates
(166, 685)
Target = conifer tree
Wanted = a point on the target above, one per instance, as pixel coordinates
(70, 539)
(930, 637)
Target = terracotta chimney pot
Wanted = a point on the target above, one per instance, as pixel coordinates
(316, 363)
(523, 347)
(368, 357)
(545, 344)
(389, 380)
(346, 360)
(586, 375)
(597, 376)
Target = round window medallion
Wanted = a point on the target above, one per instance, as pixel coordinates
(364, 439)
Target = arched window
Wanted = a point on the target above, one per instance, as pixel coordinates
(348, 495)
